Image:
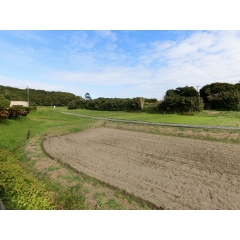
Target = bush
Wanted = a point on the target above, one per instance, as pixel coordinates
(133, 105)
(107, 104)
(72, 105)
(151, 109)
(218, 95)
(229, 100)
(31, 108)
(4, 114)
(175, 102)
(14, 112)
(18, 190)
(4, 103)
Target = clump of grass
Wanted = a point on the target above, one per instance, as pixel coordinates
(112, 204)
(144, 206)
(100, 195)
(118, 194)
(71, 198)
(52, 168)
(105, 203)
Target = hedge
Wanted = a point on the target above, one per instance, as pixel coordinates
(20, 191)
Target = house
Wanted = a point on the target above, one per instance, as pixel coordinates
(19, 103)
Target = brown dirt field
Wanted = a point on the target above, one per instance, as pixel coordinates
(170, 172)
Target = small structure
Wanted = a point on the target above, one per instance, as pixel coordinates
(19, 103)
(87, 96)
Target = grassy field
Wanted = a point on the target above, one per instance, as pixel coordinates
(72, 190)
(210, 118)
(45, 120)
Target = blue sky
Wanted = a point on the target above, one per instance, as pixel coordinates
(118, 63)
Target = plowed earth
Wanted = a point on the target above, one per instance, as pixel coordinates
(170, 172)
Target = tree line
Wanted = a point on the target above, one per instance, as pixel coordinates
(37, 97)
(179, 100)
(215, 96)
(186, 100)
(112, 104)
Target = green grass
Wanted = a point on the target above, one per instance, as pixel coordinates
(51, 168)
(119, 194)
(44, 121)
(210, 118)
(106, 203)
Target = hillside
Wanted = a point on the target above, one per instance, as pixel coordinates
(37, 97)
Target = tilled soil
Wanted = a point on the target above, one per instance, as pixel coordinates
(170, 172)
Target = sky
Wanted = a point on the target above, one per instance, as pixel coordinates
(121, 63)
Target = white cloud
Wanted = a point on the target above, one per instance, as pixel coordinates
(200, 59)
(107, 34)
(205, 56)
(28, 35)
(108, 76)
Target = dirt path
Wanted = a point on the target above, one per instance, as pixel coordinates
(171, 172)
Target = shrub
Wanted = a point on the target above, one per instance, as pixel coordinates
(229, 100)
(4, 114)
(14, 112)
(4, 103)
(72, 105)
(112, 104)
(18, 190)
(133, 105)
(182, 100)
(31, 108)
(224, 96)
(151, 109)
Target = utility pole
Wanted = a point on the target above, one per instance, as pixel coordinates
(28, 95)
(198, 87)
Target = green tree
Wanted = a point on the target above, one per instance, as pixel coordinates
(207, 92)
(181, 100)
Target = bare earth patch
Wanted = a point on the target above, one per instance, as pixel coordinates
(96, 195)
(170, 172)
